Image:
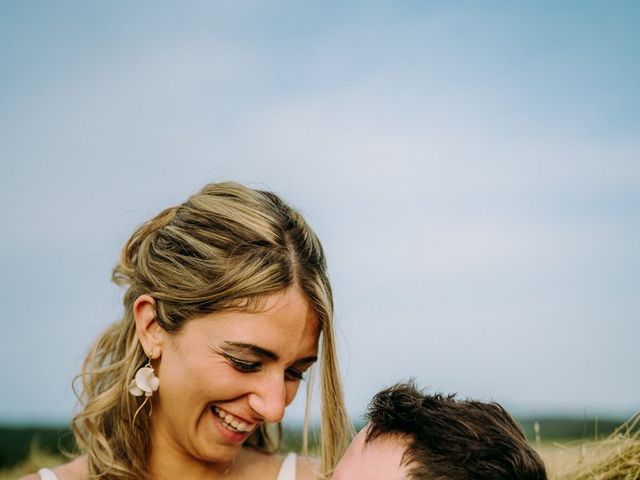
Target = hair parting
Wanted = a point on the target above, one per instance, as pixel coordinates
(226, 247)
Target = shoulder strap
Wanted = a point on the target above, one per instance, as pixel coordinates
(46, 474)
(288, 468)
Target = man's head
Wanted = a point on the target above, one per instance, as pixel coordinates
(412, 435)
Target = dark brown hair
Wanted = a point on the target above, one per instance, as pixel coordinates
(450, 439)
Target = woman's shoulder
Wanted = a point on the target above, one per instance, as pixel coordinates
(307, 468)
(74, 470)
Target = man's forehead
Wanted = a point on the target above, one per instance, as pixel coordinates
(384, 440)
(378, 459)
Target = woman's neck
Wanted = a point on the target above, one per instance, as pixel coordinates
(177, 465)
(168, 460)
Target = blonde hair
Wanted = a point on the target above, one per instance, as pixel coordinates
(226, 247)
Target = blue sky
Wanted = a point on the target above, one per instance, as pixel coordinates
(471, 167)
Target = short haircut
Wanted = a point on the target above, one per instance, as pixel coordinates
(450, 439)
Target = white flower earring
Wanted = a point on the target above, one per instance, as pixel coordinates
(144, 383)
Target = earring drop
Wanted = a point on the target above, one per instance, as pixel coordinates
(144, 383)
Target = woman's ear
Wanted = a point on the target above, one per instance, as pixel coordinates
(150, 333)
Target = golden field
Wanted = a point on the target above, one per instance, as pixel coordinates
(616, 457)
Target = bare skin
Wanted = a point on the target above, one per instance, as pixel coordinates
(74, 470)
(380, 459)
(250, 464)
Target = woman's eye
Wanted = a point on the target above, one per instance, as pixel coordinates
(243, 366)
(292, 374)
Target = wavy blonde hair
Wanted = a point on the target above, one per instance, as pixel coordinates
(225, 248)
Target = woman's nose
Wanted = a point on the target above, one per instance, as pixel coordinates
(270, 398)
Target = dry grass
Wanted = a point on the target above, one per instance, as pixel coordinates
(615, 458)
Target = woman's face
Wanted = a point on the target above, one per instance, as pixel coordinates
(225, 374)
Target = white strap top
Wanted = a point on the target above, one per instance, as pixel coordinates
(46, 474)
(287, 470)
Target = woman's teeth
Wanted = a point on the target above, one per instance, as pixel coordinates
(231, 421)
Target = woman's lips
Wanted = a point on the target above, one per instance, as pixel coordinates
(232, 422)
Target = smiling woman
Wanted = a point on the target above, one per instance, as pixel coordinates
(228, 373)
(227, 306)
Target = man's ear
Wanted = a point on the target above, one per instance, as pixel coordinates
(150, 333)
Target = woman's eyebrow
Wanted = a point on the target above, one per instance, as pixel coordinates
(303, 360)
(264, 353)
(256, 350)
